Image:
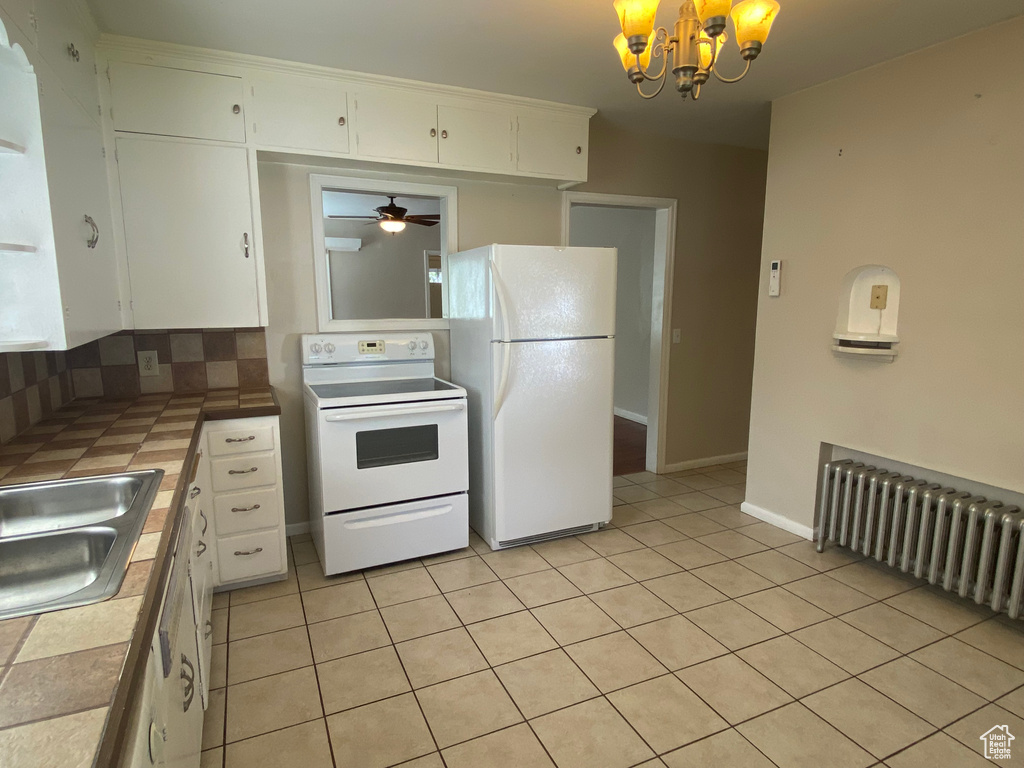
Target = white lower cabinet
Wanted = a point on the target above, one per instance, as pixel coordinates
(189, 234)
(248, 500)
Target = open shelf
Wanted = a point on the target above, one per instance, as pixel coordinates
(18, 247)
(10, 148)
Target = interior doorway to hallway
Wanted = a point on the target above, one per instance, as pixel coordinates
(643, 230)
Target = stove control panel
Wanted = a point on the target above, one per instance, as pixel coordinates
(342, 348)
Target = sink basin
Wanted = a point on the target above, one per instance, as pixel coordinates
(68, 543)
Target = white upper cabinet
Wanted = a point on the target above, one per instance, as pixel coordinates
(21, 13)
(396, 125)
(552, 146)
(68, 47)
(176, 102)
(80, 215)
(295, 112)
(476, 138)
(189, 234)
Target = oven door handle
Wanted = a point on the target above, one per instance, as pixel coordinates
(374, 413)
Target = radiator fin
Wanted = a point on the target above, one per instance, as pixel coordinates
(962, 542)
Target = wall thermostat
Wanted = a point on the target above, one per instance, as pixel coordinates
(774, 278)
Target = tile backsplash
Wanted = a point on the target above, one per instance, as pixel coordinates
(188, 361)
(32, 386)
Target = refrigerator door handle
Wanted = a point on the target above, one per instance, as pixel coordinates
(499, 289)
(506, 365)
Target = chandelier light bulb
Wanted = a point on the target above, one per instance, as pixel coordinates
(712, 15)
(636, 17)
(753, 20)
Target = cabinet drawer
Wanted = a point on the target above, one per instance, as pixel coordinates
(250, 555)
(248, 471)
(176, 102)
(246, 511)
(250, 440)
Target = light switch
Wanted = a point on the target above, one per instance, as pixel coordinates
(775, 278)
(879, 296)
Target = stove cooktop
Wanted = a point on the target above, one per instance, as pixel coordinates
(377, 390)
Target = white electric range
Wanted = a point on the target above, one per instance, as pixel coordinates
(387, 450)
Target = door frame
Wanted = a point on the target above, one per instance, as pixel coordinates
(661, 305)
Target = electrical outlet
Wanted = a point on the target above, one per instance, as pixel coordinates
(879, 296)
(149, 365)
(677, 335)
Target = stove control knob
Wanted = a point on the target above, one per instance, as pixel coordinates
(423, 345)
(329, 348)
(412, 345)
(316, 349)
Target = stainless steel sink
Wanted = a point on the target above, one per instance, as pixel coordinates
(68, 543)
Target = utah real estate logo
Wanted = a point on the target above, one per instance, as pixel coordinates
(997, 742)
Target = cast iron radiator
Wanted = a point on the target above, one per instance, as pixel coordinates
(962, 542)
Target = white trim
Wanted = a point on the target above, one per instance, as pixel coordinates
(296, 529)
(639, 419)
(707, 461)
(449, 244)
(773, 518)
(661, 306)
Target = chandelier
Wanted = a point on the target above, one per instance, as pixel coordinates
(696, 44)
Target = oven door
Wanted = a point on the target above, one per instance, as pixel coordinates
(380, 454)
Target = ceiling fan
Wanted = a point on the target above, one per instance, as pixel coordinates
(393, 218)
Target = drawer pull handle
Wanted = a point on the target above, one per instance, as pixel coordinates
(206, 522)
(195, 492)
(243, 471)
(241, 553)
(201, 548)
(240, 439)
(245, 509)
(209, 630)
(189, 677)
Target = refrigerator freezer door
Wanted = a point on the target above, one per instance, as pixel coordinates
(553, 293)
(553, 437)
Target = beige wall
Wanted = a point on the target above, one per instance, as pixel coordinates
(715, 285)
(918, 165)
(721, 206)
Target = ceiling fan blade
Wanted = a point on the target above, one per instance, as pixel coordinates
(427, 220)
(370, 218)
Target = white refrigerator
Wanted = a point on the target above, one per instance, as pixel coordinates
(533, 343)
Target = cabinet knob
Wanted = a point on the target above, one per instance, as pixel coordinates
(579, 150)
(341, 121)
(236, 109)
(433, 132)
(444, 134)
(73, 52)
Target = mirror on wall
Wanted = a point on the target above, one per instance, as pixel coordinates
(381, 250)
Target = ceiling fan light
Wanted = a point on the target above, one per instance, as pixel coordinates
(636, 17)
(392, 226)
(753, 20)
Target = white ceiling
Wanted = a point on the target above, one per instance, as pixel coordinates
(559, 51)
(363, 204)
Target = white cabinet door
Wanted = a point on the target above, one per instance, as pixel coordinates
(67, 47)
(396, 125)
(77, 181)
(182, 703)
(553, 147)
(475, 139)
(176, 102)
(300, 112)
(188, 232)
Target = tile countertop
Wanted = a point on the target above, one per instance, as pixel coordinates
(67, 677)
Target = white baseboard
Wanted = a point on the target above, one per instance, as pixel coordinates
(708, 461)
(803, 531)
(294, 529)
(630, 415)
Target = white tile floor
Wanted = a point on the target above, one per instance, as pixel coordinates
(687, 634)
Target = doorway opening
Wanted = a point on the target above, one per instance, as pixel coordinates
(643, 230)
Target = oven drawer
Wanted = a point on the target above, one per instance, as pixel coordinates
(246, 511)
(249, 555)
(251, 440)
(247, 471)
(370, 537)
